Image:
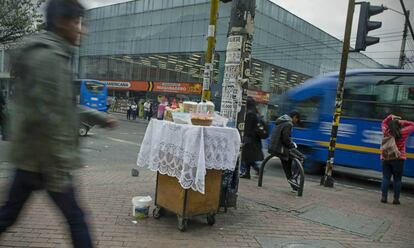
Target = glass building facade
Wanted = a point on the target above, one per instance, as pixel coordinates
(165, 40)
(5, 66)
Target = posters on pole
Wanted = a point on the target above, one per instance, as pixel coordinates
(235, 43)
(233, 57)
(207, 76)
(232, 91)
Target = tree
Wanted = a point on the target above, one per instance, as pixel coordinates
(18, 18)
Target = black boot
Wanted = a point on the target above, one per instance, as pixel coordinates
(245, 176)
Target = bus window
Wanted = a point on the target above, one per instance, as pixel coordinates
(411, 94)
(309, 111)
(369, 97)
(76, 90)
(405, 98)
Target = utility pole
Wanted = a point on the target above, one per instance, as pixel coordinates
(404, 41)
(211, 44)
(237, 74)
(238, 62)
(327, 179)
(407, 18)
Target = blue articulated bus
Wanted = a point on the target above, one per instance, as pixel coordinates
(369, 96)
(92, 94)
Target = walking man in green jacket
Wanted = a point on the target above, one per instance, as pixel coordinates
(45, 120)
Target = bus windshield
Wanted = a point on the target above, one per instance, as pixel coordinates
(94, 87)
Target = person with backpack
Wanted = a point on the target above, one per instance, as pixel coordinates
(254, 131)
(281, 144)
(393, 154)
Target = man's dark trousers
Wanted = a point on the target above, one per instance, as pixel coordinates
(23, 184)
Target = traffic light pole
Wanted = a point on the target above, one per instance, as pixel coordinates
(407, 18)
(211, 44)
(404, 41)
(327, 179)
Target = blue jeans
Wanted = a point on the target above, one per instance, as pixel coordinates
(23, 184)
(395, 169)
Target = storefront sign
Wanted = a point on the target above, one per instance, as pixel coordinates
(127, 85)
(259, 96)
(114, 84)
(183, 88)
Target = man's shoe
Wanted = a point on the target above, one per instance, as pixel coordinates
(396, 202)
(384, 200)
(245, 176)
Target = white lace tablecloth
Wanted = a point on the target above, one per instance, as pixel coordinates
(186, 151)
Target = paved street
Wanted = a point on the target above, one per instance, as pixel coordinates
(350, 215)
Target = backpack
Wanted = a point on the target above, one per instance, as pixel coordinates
(262, 129)
(389, 149)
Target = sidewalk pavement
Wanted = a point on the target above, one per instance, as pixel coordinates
(270, 216)
(122, 117)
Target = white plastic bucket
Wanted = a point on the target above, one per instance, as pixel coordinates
(140, 206)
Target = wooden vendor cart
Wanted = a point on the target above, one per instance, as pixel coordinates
(186, 203)
(189, 161)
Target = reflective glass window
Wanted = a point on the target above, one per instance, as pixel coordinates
(157, 4)
(177, 3)
(139, 6)
(156, 17)
(188, 2)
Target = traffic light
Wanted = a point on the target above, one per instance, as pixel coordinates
(365, 25)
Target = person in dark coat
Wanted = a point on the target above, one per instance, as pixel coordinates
(252, 144)
(281, 142)
(129, 111)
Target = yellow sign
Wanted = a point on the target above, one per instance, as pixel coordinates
(206, 95)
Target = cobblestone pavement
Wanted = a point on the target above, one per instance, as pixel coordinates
(270, 216)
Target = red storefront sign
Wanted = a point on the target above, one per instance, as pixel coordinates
(127, 85)
(182, 88)
(259, 96)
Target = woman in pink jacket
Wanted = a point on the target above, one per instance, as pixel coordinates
(400, 130)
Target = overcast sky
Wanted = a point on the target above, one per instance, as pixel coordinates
(330, 16)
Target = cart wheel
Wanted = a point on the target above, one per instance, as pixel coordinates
(182, 223)
(83, 131)
(211, 219)
(157, 212)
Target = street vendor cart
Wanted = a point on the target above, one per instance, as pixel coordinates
(189, 161)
